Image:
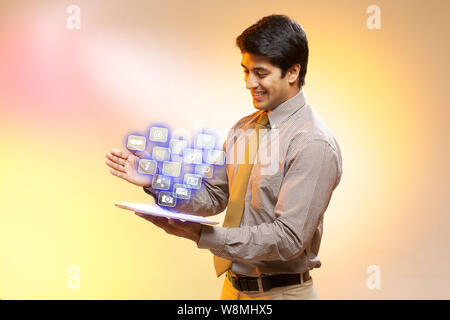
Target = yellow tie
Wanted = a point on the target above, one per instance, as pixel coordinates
(236, 200)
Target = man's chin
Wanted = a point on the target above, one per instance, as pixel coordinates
(260, 106)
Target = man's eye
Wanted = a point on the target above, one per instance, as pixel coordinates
(259, 74)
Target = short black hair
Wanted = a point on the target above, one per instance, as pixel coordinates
(280, 39)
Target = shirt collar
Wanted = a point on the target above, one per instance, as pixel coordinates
(284, 110)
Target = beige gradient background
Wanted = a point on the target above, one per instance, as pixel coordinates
(67, 97)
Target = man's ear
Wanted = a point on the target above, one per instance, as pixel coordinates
(293, 73)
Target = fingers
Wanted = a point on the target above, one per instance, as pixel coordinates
(115, 166)
(121, 154)
(116, 159)
(119, 174)
(115, 162)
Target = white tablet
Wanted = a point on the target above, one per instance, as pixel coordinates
(155, 210)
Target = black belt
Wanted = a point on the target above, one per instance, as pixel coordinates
(265, 283)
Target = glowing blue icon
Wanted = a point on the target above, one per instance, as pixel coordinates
(171, 169)
(160, 182)
(181, 191)
(193, 181)
(204, 170)
(194, 156)
(166, 199)
(205, 141)
(161, 154)
(147, 166)
(216, 157)
(177, 146)
(158, 134)
(136, 143)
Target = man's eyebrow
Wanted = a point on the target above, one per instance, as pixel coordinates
(256, 69)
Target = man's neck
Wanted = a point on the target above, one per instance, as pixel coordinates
(292, 94)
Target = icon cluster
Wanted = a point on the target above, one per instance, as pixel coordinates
(169, 156)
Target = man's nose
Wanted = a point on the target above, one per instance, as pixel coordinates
(251, 82)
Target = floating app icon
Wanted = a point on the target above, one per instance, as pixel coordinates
(166, 199)
(205, 141)
(194, 156)
(161, 154)
(136, 143)
(181, 191)
(171, 168)
(158, 134)
(204, 170)
(193, 181)
(160, 182)
(177, 146)
(216, 157)
(147, 166)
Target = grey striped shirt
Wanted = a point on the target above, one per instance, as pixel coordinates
(298, 166)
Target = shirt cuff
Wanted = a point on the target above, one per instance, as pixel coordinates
(212, 237)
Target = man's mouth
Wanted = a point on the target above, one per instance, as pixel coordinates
(258, 95)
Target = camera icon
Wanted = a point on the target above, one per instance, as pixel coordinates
(166, 199)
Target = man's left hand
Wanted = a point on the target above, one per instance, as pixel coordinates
(188, 230)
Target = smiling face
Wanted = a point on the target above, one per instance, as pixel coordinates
(264, 81)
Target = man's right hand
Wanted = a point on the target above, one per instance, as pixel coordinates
(124, 165)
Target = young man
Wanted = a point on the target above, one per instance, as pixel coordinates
(274, 221)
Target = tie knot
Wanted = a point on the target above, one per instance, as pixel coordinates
(263, 120)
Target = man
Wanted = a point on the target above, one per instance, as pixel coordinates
(273, 225)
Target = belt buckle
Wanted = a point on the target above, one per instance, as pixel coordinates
(242, 283)
(234, 280)
(230, 276)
